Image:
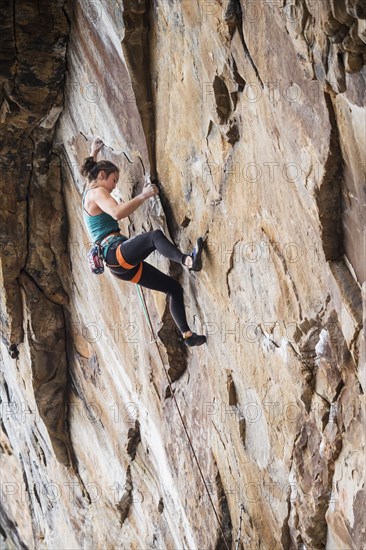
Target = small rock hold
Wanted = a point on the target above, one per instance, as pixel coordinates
(233, 398)
(233, 134)
(222, 99)
(134, 438)
(13, 351)
(125, 503)
(215, 202)
(161, 505)
(186, 221)
(242, 430)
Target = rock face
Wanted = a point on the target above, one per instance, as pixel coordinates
(252, 116)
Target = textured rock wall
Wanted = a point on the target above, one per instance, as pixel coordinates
(252, 116)
(33, 233)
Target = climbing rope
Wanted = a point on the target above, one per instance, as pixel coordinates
(146, 312)
(144, 307)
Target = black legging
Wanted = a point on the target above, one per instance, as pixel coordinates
(134, 251)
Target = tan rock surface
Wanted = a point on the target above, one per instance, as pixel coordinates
(252, 116)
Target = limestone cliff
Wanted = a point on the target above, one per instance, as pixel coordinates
(251, 114)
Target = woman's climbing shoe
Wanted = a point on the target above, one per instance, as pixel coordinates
(195, 340)
(197, 255)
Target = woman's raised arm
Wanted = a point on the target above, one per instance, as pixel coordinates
(119, 211)
(96, 147)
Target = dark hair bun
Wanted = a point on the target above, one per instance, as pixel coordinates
(88, 165)
(90, 169)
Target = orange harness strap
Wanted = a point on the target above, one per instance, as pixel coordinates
(137, 277)
(122, 262)
(120, 259)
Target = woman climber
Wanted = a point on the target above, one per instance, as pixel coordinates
(125, 257)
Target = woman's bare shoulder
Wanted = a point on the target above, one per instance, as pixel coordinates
(97, 192)
(94, 194)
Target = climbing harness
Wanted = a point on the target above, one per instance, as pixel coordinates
(95, 259)
(181, 418)
(95, 254)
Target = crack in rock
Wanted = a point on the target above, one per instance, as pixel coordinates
(278, 253)
(225, 517)
(134, 438)
(125, 503)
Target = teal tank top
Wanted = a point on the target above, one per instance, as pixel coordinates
(100, 225)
